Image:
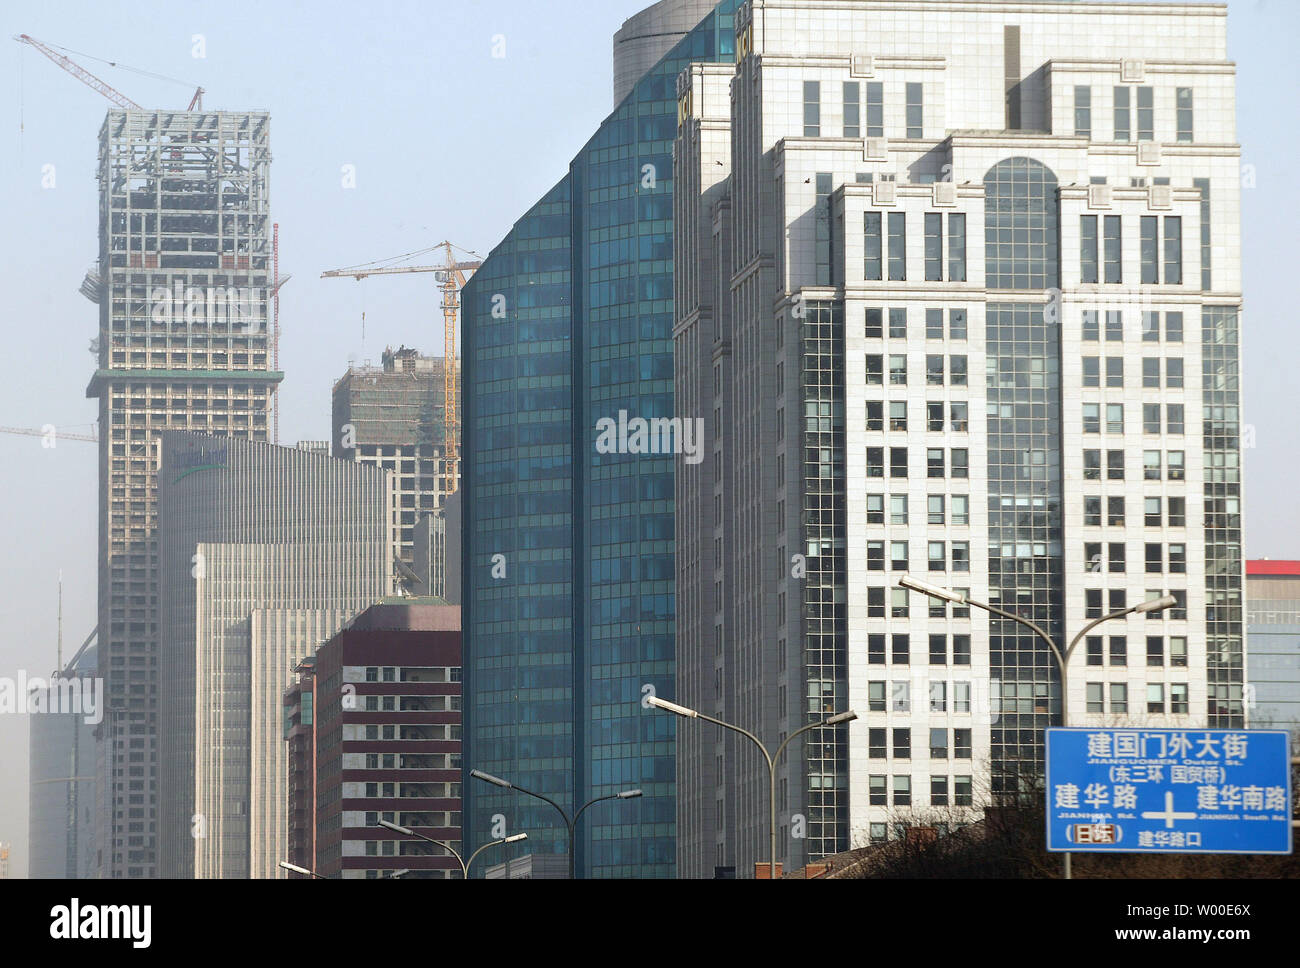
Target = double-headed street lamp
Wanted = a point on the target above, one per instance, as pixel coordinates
(464, 864)
(1062, 658)
(302, 870)
(570, 823)
(772, 759)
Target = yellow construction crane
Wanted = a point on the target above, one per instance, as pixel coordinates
(451, 277)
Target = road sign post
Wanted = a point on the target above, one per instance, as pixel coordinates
(1213, 791)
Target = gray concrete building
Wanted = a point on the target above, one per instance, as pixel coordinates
(264, 553)
(1273, 643)
(957, 293)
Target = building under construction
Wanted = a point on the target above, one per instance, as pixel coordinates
(394, 416)
(185, 272)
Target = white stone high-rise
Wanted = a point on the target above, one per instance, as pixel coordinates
(957, 293)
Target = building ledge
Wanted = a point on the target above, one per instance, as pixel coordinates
(102, 377)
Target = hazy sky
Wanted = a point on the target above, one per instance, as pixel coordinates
(447, 142)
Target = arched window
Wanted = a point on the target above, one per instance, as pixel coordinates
(1020, 226)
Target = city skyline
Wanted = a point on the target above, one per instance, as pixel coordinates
(60, 119)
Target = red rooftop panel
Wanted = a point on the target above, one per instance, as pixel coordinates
(1269, 567)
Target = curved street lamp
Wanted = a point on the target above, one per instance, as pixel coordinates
(464, 864)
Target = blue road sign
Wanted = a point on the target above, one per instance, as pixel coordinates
(1178, 791)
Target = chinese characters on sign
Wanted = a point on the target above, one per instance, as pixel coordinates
(1217, 791)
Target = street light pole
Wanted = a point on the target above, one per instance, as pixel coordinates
(772, 759)
(1062, 658)
(569, 823)
(464, 864)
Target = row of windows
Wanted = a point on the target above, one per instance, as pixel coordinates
(885, 255)
(1151, 506)
(413, 673)
(856, 123)
(1174, 465)
(878, 791)
(1173, 372)
(878, 749)
(1154, 555)
(1119, 702)
(1124, 99)
(1118, 652)
(412, 761)
(956, 463)
(1091, 327)
(431, 791)
(418, 704)
(896, 696)
(900, 649)
(939, 510)
(957, 373)
(897, 317)
(958, 416)
(1112, 245)
(1118, 601)
(1092, 418)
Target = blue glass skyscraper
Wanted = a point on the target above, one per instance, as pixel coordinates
(568, 559)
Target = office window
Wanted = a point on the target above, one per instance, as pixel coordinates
(1178, 697)
(1092, 561)
(1082, 111)
(1114, 325)
(960, 463)
(1112, 245)
(898, 369)
(1177, 559)
(1174, 327)
(1146, 114)
(938, 697)
(876, 791)
(934, 369)
(938, 744)
(871, 242)
(1096, 699)
(1092, 418)
(876, 649)
(897, 246)
(1155, 697)
(957, 319)
(876, 463)
(1155, 558)
(1173, 250)
(900, 696)
(1118, 697)
(898, 509)
(1119, 650)
(900, 646)
(1114, 417)
(961, 738)
(1150, 411)
(1149, 249)
(898, 462)
(852, 110)
(1115, 555)
(1096, 655)
(1183, 106)
(961, 650)
(1150, 327)
(1123, 125)
(958, 411)
(898, 603)
(957, 248)
(1174, 470)
(934, 462)
(1088, 250)
(961, 787)
(938, 556)
(1177, 512)
(1092, 465)
(1115, 511)
(875, 369)
(898, 323)
(934, 416)
(875, 324)
(1092, 371)
(1151, 377)
(1092, 603)
(902, 791)
(875, 502)
(875, 556)
(934, 509)
(1151, 509)
(876, 744)
(1114, 371)
(878, 832)
(957, 371)
(898, 555)
(898, 415)
(876, 696)
(938, 649)
(875, 109)
(961, 556)
(1178, 651)
(875, 415)
(812, 109)
(902, 744)
(1155, 650)
(1091, 505)
(1090, 330)
(1174, 418)
(914, 110)
(933, 246)
(1115, 465)
(934, 324)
